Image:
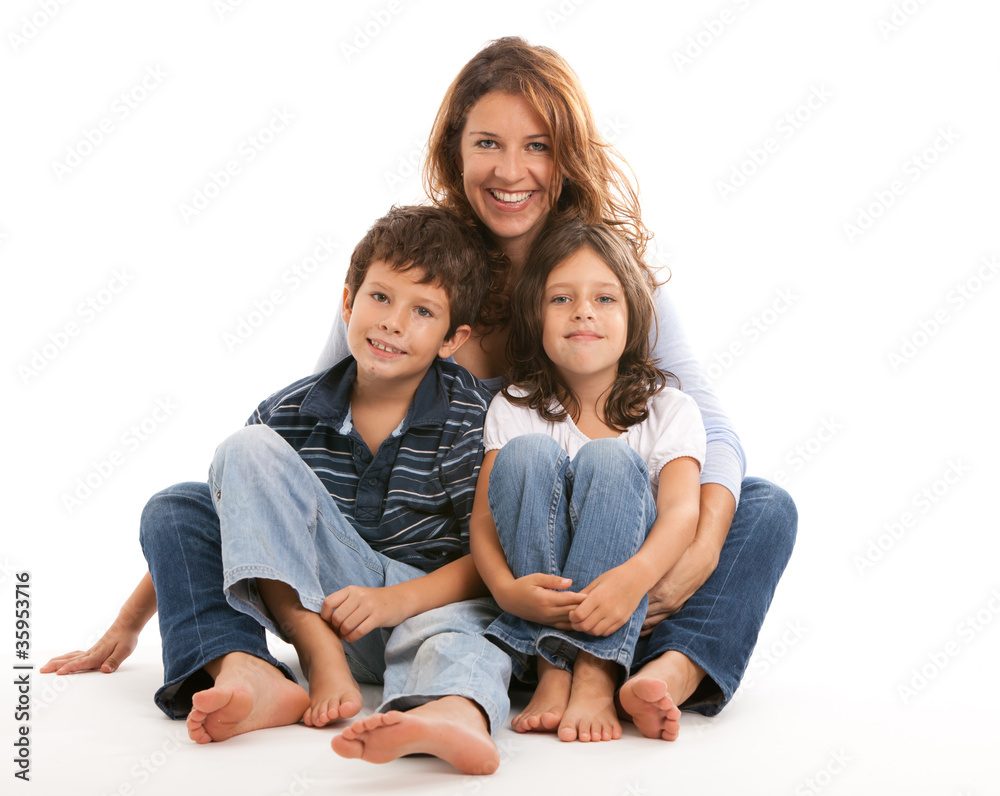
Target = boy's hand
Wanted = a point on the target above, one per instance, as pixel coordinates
(610, 600)
(354, 611)
(536, 599)
(106, 655)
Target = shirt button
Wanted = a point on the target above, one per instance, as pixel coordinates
(372, 481)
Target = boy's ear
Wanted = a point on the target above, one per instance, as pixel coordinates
(455, 342)
(345, 311)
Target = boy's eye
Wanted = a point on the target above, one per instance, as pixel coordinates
(380, 297)
(423, 312)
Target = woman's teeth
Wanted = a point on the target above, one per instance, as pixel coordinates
(511, 198)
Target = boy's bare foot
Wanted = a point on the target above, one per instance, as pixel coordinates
(649, 706)
(545, 709)
(452, 728)
(651, 696)
(333, 694)
(590, 714)
(249, 694)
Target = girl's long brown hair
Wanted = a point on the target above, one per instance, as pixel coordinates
(639, 379)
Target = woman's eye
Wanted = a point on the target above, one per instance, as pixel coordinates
(538, 146)
(486, 143)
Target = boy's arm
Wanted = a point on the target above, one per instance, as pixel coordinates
(118, 642)
(356, 610)
(533, 597)
(613, 597)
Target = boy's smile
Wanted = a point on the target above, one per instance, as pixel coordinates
(396, 326)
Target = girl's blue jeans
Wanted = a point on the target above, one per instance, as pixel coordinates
(265, 514)
(577, 519)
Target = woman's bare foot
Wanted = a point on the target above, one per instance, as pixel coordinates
(590, 714)
(545, 709)
(452, 728)
(648, 705)
(249, 694)
(650, 697)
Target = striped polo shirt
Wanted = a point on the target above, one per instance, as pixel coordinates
(411, 499)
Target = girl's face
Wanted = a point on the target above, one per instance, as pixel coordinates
(585, 319)
(506, 160)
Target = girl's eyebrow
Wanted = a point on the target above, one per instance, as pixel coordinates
(600, 286)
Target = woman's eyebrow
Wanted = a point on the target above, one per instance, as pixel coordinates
(497, 135)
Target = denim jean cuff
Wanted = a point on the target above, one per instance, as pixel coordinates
(711, 695)
(496, 715)
(174, 697)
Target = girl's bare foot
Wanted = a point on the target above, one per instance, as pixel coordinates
(650, 697)
(333, 693)
(545, 709)
(452, 728)
(249, 694)
(590, 714)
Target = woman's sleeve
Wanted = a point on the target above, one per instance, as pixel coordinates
(336, 346)
(725, 462)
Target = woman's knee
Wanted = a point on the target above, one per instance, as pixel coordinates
(773, 515)
(181, 504)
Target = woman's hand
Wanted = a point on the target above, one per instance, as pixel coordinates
(355, 611)
(675, 588)
(106, 655)
(537, 598)
(610, 601)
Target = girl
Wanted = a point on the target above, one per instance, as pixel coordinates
(591, 478)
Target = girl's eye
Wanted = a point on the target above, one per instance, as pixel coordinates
(606, 299)
(559, 299)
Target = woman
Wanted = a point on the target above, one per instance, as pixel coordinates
(514, 145)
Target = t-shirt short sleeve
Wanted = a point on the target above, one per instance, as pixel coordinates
(504, 421)
(673, 429)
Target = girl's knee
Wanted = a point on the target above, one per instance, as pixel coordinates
(602, 457)
(527, 451)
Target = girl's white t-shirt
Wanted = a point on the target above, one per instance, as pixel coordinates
(673, 429)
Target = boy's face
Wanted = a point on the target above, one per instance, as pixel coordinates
(397, 326)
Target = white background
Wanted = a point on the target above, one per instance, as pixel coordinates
(856, 373)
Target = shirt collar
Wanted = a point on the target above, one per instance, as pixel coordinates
(330, 397)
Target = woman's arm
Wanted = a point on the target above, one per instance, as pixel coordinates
(533, 597)
(613, 597)
(336, 346)
(725, 462)
(118, 642)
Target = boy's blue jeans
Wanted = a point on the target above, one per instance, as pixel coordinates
(265, 514)
(577, 519)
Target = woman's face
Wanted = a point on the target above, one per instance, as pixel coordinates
(506, 157)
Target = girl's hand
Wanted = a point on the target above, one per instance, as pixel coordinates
(675, 588)
(355, 611)
(611, 599)
(536, 598)
(106, 655)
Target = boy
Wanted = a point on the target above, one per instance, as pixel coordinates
(343, 511)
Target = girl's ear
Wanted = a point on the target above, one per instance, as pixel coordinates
(455, 342)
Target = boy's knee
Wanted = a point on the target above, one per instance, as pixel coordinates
(252, 442)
